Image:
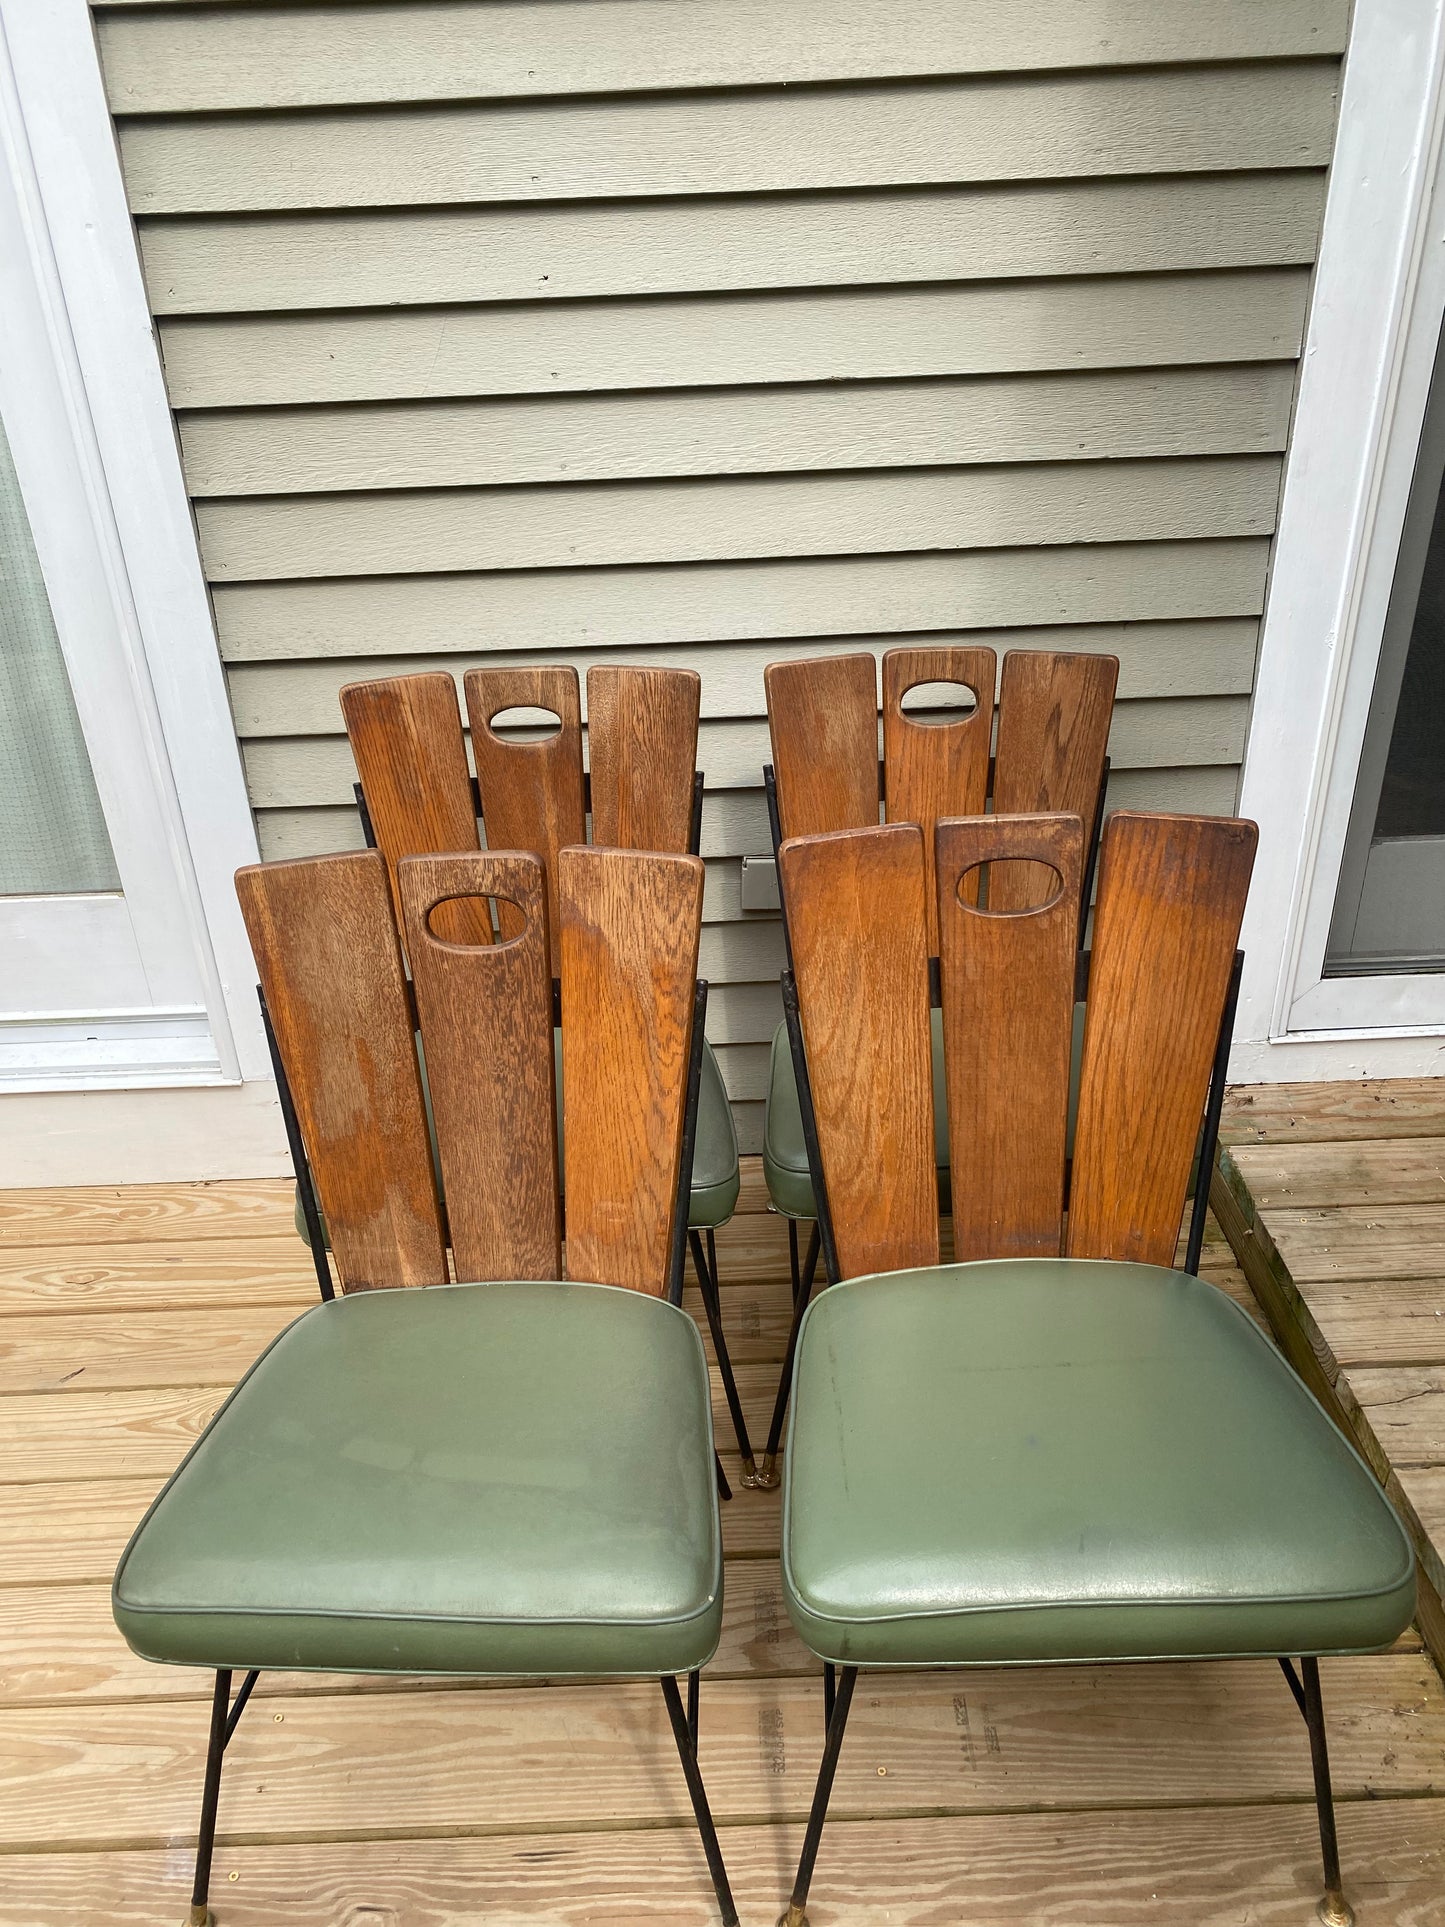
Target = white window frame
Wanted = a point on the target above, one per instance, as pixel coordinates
(103, 343)
(1375, 319)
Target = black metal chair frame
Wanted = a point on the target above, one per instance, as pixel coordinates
(226, 1712)
(704, 1259)
(838, 1682)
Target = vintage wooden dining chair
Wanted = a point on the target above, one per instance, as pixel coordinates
(1053, 714)
(1063, 1450)
(531, 793)
(506, 1475)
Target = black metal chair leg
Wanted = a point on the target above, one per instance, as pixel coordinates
(1334, 1910)
(697, 1793)
(830, 1692)
(224, 1715)
(694, 1695)
(705, 1267)
(794, 1274)
(795, 1916)
(724, 1490)
(768, 1477)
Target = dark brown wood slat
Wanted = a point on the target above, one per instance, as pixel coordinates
(325, 944)
(642, 743)
(1054, 712)
(1008, 1010)
(936, 769)
(823, 721)
(630, 927)
(860, 954)
(486, 1025)
(406, 739)
(532, 797)
(1171, 897)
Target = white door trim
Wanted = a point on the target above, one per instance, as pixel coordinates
(126, 437)
(1375, 316)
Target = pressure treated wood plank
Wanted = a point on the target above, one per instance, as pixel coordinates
(148, 1276)
(1373, 1107)
(1194, 1867)
(574, 526)
(1405, 1407)
(1103, 321)
(260, 262)
(129, 1350)
(1381, 1321)
(563, 609)
(93, 1435)
(1368, 1171)
(1361, 1241)
(1005, 1740)
(1064, 417)
(79, 1216)
(174, 61)
(1011, 128)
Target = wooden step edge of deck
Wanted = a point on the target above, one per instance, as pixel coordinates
(1308, 1351)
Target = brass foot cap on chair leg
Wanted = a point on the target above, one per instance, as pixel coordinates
(1335, 1911)
(755, 1480)
(794, 1917)
(767, 1478)
(200, 1916)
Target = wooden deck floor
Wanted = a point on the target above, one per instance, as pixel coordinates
(1083, 1797)
(1334, 1197)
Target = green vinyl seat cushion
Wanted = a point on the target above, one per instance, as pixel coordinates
(500, 1478)
(1056, 1459)
(716, 1174)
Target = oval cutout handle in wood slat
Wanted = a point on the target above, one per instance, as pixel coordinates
(532, 794)
(486, 1026)
(1171, 898)
(823, 722)
(326, 947)
(406, 739)
(1008, 1016)
(860, 958)
(1054, 712)
(630, 928)
(642, 746)
(933, 770)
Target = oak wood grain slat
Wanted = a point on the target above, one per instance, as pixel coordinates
(642, 746)
(326, 946)
(1170, 901)
(486, 1025)
(823, 724)
(406, 738)
(1054, 712)
(532, 794)
(630, 928)
(1008, 1015)
(855, 909)
(936, 769)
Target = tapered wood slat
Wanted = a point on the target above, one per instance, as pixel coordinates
(936, 769)
(855, 912)
(823, 725)
(642, 744)
(532, 796)
(1053, 734)
(327, 950)
(1008, 1014)
(406, 737)
(630, 925)
(486, 1025)
(1170, 901)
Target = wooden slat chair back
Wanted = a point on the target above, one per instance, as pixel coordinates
(860, 957)
(1054, 712)
(532, 791)
(823, 722)
(642, 746)
(486, 1022)
(1171, 899)
(406, 740)
(936, 769)
(630, 928)
(1170, 903)
(1007, 979)
(325, 943)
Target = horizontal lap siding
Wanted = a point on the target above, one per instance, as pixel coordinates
(708, 332)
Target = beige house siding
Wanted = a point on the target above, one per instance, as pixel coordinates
(724, 330)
